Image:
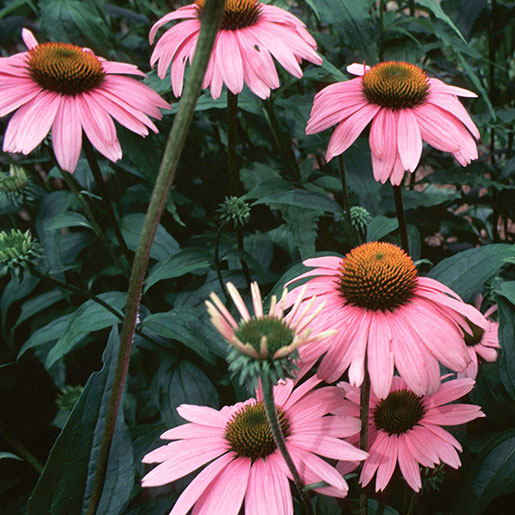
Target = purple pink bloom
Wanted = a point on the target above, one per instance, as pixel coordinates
(481, 343)
(69, 89)
(252, 34)
(405, 106)
(405, 429)
(242, 460)
(386, 317)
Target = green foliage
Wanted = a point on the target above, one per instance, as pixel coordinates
(460, 231)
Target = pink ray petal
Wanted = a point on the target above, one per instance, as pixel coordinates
(67, 135)
(409, 140)
(409, 465)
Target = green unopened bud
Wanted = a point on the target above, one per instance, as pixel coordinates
(18, 250)
(360, 218)
(235, 210)
(68, 396)
(15, 190)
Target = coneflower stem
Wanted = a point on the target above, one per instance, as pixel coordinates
(75, 188)
(212, 16)
(280, 442)
(364, 403)
(99, 180)
(18, 447)
(217, 261)
(401, 217)
(346, 202)
(232, 140)
(283, 146)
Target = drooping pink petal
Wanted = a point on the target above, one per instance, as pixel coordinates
(409, 140)
(28, 38)
(380, 357)
(408, 465)
(226, 494)
(266, 477)
(67, 135)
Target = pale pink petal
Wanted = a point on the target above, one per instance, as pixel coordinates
(29, 39)
(347, 131)
(201, 482)
(327, 446)
(409, 465)
(225, 495)
(454, 414)
(379, 356)
(438, 86)
(268, 490)
(188, 11)
(16, 92)
(357, 68)
(67, 135)
(409, 140)
(450, 391)
(203, 415)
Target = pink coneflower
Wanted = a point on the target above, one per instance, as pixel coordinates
(405, 428)
(67, 88)
(244, 462)
(251, 35)
(405, 107)
(481, 342)
(387, 317)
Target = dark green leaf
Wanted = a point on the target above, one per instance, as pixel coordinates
(69, 219)
(507, 343)
(10, 456)
(36, 304)
(436, 9)
(301, 198)
(303, 225)
(380, 226)
(185, 384)
(164, 244)
(466, 272)
(492, 474)
(192, 259)
(65, 484)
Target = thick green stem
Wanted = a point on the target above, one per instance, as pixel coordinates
(364, 402)
(97, 175)
(18, 447)
(283, 145)
(75, 188)
(401, 217)
(380, 42)
(275, 428)
(232, 140)
(211, 18)
(346, 202)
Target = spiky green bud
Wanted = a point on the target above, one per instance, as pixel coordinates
(235, 210)
(18, 250)
(360, 218)
(16, 190)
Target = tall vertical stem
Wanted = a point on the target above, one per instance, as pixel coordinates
(232, 140)
(99, 180)
(380, 38)
(399, 208)
(346, 201)
(275, 428)
(212, 16)
(364, 403)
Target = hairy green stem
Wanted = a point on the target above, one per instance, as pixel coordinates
(244, 266)
(364, 403)
(18, 447)
(99, 180)
(211, 18)
(401, 217)
(275, 428)
(75, 188)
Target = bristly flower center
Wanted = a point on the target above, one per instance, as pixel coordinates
(399, 412)
(395, 84)
(377, 276)
(65, 68)
(475, 337)
(238, 14)
(249, 434)
(276, 332)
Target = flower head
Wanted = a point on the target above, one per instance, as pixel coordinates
(69, 89)
(243, 461)
(387, 317)
(250, 36)
(405, 107)
(405, 428)
(18, 250)
(481, 342)
(234, 210)
(264, 343)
